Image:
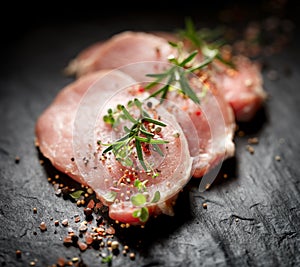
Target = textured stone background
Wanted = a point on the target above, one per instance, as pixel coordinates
(253, 216)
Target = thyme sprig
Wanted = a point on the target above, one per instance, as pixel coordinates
(140, 200)
(205, 40)
(137, 136)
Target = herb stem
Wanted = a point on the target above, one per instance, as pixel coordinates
(136, 136)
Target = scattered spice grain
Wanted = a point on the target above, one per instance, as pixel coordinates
(43, 226)
(114, 245)
(65, 222)
(253, 141)
(82, 246)
(250, 149)
(88, 212)
(17, 159)
(18, 253)
(132, 256)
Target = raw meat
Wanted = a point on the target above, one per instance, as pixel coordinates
(242, 88)
(69, 130)
(213, 131)
(122, 49)
(54, 127)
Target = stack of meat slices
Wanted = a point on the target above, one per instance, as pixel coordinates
(241, 87)
(199, 136)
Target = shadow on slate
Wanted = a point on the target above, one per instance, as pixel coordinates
(159, 227)
(258, 122)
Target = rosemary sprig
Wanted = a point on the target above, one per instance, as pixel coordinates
(207, 41)
(137, 136)
(177, 75)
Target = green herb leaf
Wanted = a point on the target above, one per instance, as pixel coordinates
(160, 91)
(115, 144)
(207, 40)
(138, 199)
(141, 186)
(126, 161)
(128, 116)
(173, 44)
(156, 197)
(190, 32)
(109, 119)
(187, 90)
(137, 213)
(188, 59)
(138, 103)
(139, 152)
(156, 122)
(177, 74)
(137, 183)
(107, 259)
(148, 134)
(76, 194)
(202, 65)
(110, 196)
(142, 214)
(107, 149)
(208, 52)
(151, 141)
(157, 149)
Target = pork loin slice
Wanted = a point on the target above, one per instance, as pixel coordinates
(242, 86)
(209, 125)
(69, 132)
(150, 53)
(54, 127)
(122, 49)
(212, 140)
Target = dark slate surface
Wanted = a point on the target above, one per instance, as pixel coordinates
(252, 218)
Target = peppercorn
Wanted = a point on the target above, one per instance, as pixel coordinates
(18, 253)
(43, 226)
(88, 212)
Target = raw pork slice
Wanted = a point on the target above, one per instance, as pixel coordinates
(209, 126)
(242, 87)
(120, 50)
(54, 127)
(150, 53)
(72, 134)
(211, 137)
